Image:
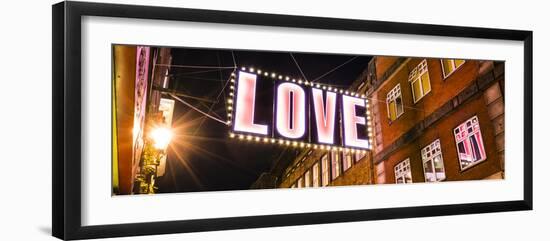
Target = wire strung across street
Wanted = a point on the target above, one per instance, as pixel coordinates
(196, 66)
(297, 65)
(218, 96)
(197, 109)
(334, 69)
(235, 66)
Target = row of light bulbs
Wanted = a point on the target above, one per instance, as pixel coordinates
(296, 144)
(302, 82)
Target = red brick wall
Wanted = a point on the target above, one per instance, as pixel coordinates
(443, 130)
(383, 63)
(442, 90)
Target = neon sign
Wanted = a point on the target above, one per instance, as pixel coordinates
(301, 113)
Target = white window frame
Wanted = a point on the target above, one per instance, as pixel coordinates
(325, 172)
(464, 134)
(380, 173)
(307, 178)
(416, 75)
(300, 182)
(429, 154)
(337, 168)
(454, 67)
(316, 174)
(347, 161)
(393, 95)
(359, 155)
(401, 170)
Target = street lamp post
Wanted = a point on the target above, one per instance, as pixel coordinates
(155, 148)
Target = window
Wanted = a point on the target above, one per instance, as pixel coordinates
(403, 172)
(335, 164)
(420, 81)
(380, 173)
(450, 65)
(432, 160)
(359, 155)
(307, 178)
(315, 171)
(325, 173)
(395, 103)
(469, 143)
(347, 161)
(300, 182)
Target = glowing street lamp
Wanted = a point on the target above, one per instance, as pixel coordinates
(161, 137)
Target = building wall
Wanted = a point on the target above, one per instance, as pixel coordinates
(441, 91)
(360, 172)
(475, 88)
(124, 74)
(443, 130)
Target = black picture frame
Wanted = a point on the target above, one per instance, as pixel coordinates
(66, 127)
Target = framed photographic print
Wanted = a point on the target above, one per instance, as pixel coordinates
(170, 120)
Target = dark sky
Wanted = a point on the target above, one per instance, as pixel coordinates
(201, 156)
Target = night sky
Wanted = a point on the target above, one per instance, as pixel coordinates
(202, 157)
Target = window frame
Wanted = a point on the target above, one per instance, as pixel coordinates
(357, 154)
(380, 172)
(468, 136)
(307, 178)
(416, 75)
(455, 68)
(344, 158)
(408, 162)
(325, 166)
(300, 182)
(393, 96)
(338, 162)
(424, 154)
(316, 179)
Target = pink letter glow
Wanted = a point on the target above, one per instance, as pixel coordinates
(287, 127)
(296, 112)
(325, 113)
(244, 111)
(350, 120)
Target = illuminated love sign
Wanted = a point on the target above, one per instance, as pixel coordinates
(267, 107)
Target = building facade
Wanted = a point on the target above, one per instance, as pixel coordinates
(138, 74)
(437, 119)
(434, 120)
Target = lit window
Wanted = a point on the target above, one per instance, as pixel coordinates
(359, 155)
(395, 103)
(432, 160)
(325, 173)
(450, 65)
(315, 171)
(420, 81)
(469, 143)
(403, 172)
(380, 173)
(307, 178)
(335, 164)
(300, 182)
(347, 161)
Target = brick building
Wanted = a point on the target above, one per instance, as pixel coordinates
(437, 119)
(434, 120)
